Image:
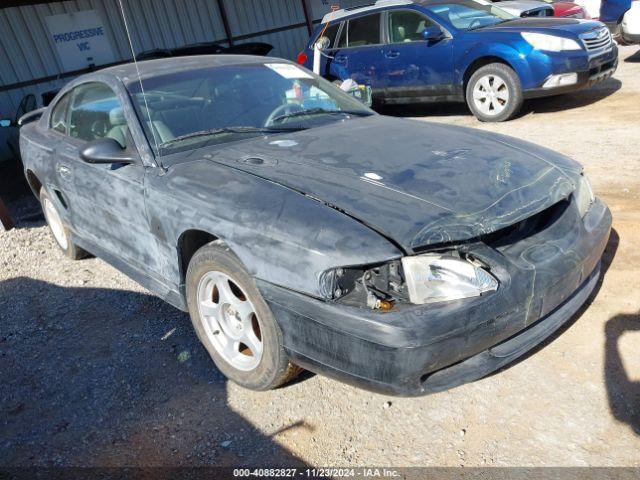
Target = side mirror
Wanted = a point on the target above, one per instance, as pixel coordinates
(105, 151)
(432, 33)
(323, 43)
(5, 122)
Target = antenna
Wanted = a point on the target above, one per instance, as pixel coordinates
(135, 61)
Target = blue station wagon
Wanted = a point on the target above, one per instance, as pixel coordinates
(460, 50)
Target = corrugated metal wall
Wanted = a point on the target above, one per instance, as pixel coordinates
(27, 52)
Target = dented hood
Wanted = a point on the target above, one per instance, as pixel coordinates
(418, 183)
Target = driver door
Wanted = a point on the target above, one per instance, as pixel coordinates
(415, 67)
(108, 202)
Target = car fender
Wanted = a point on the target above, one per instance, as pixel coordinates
(474, 55)
(280, 235)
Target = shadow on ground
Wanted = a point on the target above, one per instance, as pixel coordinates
(557, 103)
(635, 58)
(104, 377)
(623, 393)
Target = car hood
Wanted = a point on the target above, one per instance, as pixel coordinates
(546, 25)
(415, 182)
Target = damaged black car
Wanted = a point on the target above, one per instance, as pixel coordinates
(300, 229)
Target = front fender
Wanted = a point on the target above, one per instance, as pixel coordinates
(280, 235)
(516, 53)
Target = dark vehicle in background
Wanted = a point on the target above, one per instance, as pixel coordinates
(461, 50)
(301, 229)
(251, 48)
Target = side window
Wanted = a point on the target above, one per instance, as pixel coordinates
(363, 31)
(407, 26)
(331, 32)
(59, 115)
(96, 113)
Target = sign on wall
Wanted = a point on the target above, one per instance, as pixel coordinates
(80, 39)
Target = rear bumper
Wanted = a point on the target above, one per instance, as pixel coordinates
(591, 72)
(416, 350)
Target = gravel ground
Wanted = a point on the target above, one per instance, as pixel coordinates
(96, 371)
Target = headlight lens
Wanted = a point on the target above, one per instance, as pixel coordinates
(550, 43)
(436, 278)
(584, 196)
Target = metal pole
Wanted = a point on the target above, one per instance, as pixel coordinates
(5, 218)
(307, 16)
(225, 22)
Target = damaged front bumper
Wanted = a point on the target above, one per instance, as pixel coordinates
(419, 349)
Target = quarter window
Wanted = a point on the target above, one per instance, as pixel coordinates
(59, 115)
(406, 26)
(362, 31)
(331, 32)
(96, 113)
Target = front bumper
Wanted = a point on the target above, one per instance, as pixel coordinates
(419, 349)
(590, 70)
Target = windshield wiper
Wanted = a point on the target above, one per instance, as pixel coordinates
(322, 111)
(218, 131)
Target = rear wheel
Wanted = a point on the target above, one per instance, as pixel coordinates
(494, 93)
(233, 321)
(58, 228)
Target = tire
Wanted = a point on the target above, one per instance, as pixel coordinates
(216, 315)
(59, 229)
(500, 104)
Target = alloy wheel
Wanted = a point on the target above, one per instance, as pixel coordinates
(230, 320)
(491, 95)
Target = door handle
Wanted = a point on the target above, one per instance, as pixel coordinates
(392, 54)
(63, 170)
(340, 59)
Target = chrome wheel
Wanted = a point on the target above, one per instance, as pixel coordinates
(55, 223)
(491, 95)
(230, 320)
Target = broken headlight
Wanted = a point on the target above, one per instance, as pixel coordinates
(420, 279)
(584, 195)
(438, 277)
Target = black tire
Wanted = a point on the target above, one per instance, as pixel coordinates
(512, 83)
(70, 249)
(274, 368)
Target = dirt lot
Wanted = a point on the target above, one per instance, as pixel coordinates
(95, 371)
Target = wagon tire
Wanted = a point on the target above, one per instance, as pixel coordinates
(233, 321)
(59, 229)
(494, 93)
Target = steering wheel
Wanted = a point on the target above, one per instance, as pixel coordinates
(281, 110)
(99, 128)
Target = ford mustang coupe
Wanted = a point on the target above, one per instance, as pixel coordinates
(301, 229)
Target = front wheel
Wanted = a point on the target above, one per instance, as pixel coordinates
(233, 321)
(494, 93)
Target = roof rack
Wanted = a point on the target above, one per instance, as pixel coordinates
(344, 12)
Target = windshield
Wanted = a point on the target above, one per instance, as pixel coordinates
(470, 14)
(194, 108)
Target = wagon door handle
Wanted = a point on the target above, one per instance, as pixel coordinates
(392, 54)
(340, 59)
(64, 171)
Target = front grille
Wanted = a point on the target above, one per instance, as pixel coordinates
(596, 40)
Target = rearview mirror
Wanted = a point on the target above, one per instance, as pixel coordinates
(432, 33)
(105, 151)
(5, 122)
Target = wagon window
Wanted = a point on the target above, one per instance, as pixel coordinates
(407, 26)
(363, 31)
(96, 113)
(59, 115)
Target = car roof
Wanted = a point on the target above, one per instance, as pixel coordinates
(380, 5)
(152, 68)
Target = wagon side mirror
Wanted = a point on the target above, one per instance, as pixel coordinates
(432, 33)
(105, 151)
